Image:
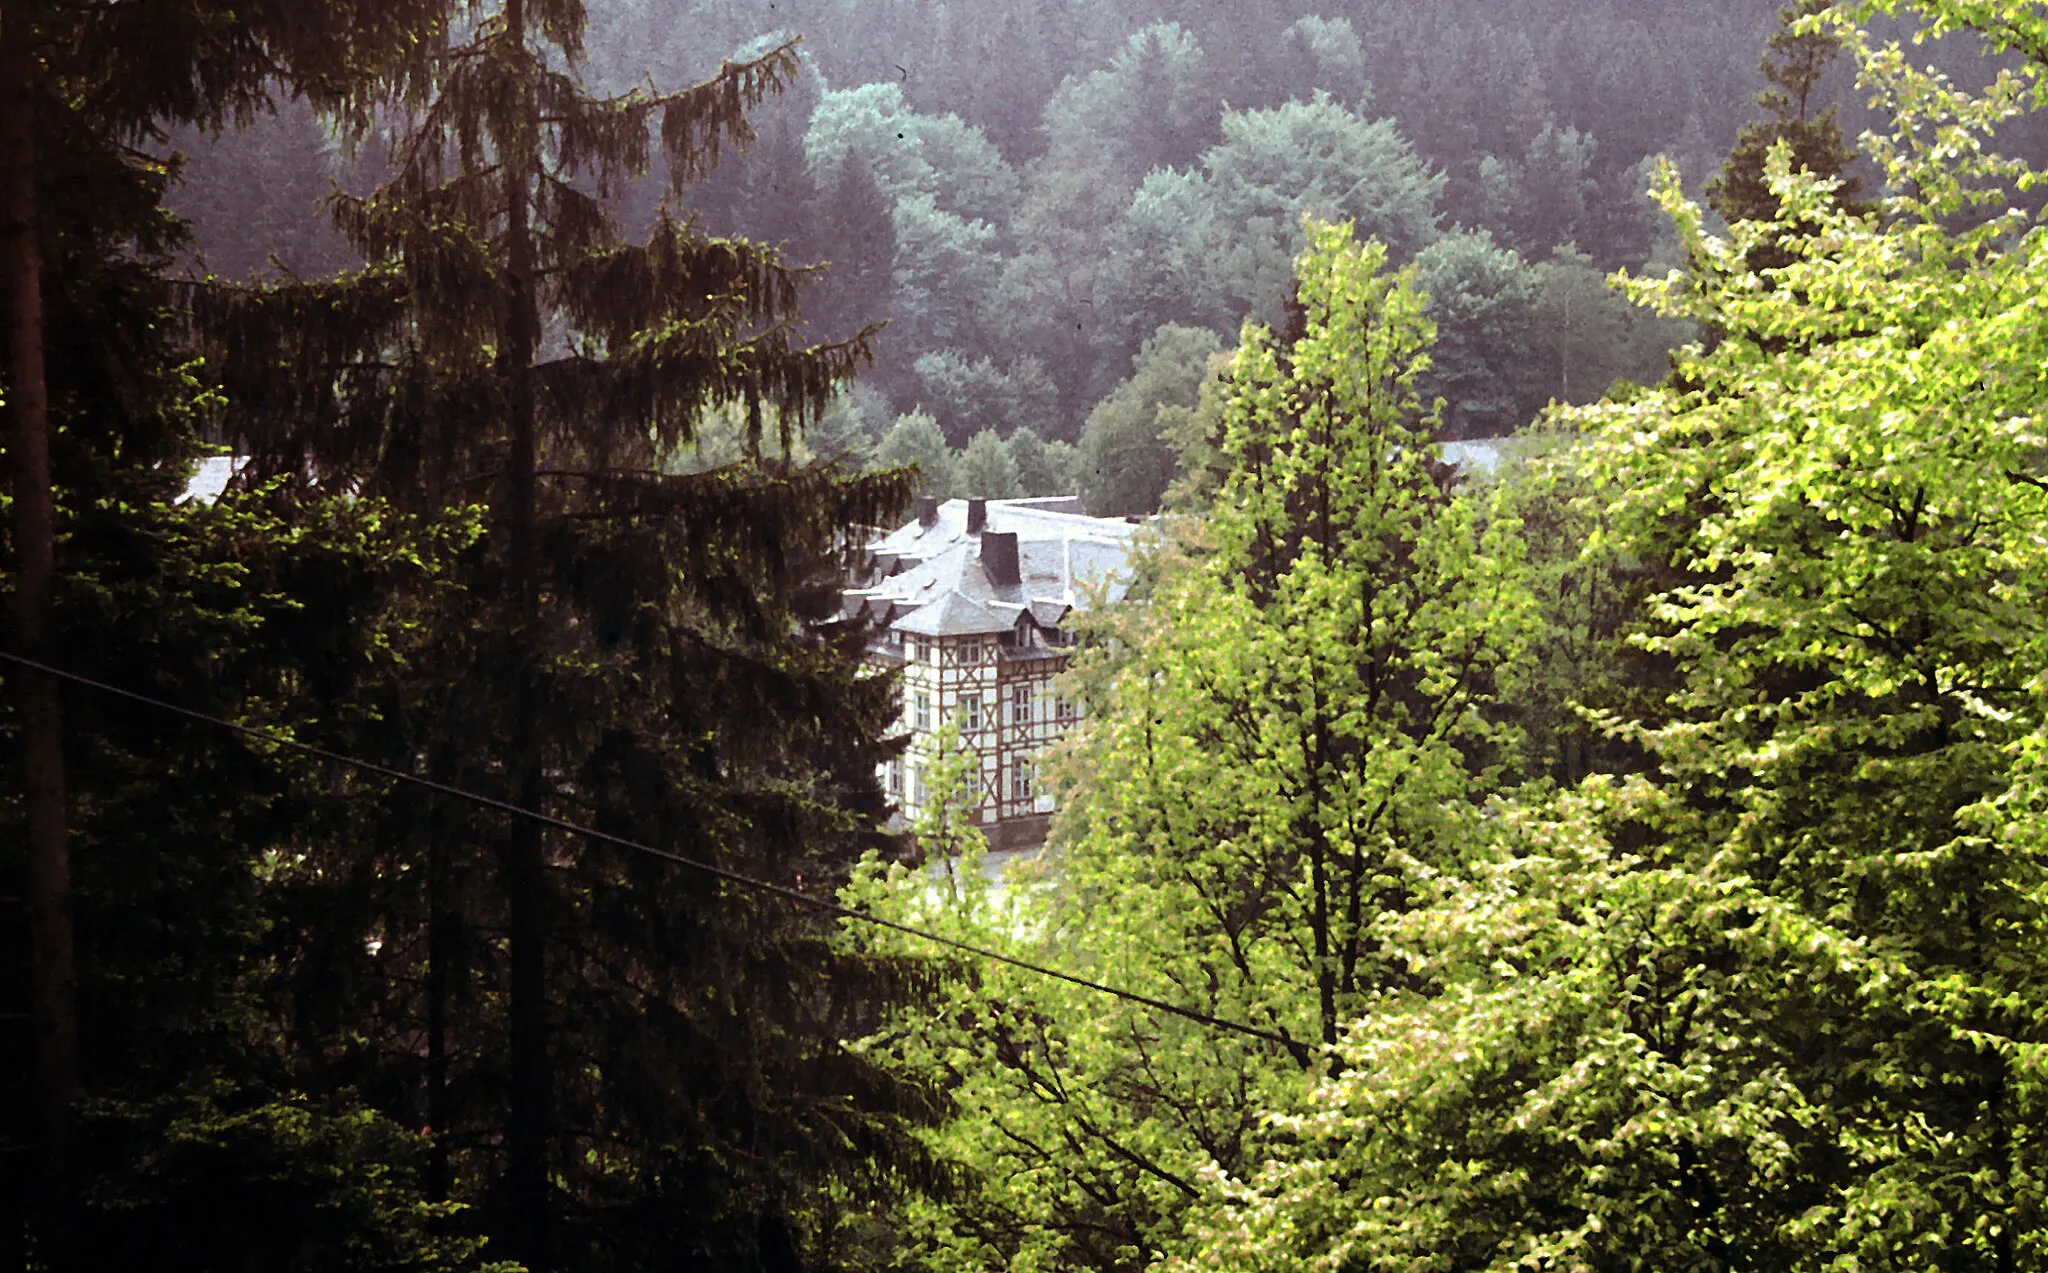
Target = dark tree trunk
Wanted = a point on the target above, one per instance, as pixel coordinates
(525, 867)
(53, 979)
(444, 934)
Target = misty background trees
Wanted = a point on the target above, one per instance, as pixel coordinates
(1029, 196)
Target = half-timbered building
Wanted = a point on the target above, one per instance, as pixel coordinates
(970, 600)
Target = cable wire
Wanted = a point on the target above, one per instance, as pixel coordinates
(1293, 1046)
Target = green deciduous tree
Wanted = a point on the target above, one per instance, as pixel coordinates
(1129, 457)
(1784, 999)
(986, 469)
(967, 395)
(1045, 468)
(1482, 299)
(915, 439)
(1227, 234)
(946, 270)
(1334, 57)
(1546, 196)
(1285, 748)
(1154, 106)
(872, 129)
(1587, 335)
(853, 233)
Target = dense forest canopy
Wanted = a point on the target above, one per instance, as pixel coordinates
(461, 844)
(1041, 187)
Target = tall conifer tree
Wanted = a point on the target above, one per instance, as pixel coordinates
(1795, 61)
(79, 231)
(671, 1081)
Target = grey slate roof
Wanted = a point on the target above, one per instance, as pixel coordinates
(1062, 557)
(953, 614)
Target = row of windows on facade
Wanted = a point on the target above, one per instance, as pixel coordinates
(925, 650)
(975, 712)
(1020, 780)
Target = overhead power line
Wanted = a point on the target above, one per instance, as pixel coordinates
(1294, 1046)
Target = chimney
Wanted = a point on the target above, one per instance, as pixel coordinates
(927, 511)
(977, 516)
(999, 558)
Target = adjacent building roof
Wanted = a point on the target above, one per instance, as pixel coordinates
(937, 571)
(1475, 455)
(211, 478)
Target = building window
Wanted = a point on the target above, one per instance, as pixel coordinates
(970, 710)
(1020, 704)
(916, 786)
(921, 711)
(1020, 780)
(896, 778)
(970, 652)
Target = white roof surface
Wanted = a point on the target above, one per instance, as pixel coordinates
(1061, 557)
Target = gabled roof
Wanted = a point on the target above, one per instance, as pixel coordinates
(1047, 614)
(953, 614)
(1063, 557)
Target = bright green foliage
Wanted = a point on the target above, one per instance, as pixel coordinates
(1579, 1088)
(1782, 1005)
(1287, 750)
(986, 470)
(1130, 459)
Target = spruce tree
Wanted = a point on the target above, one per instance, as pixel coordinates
(1795, 61)
(671, 1079)
(91, 403)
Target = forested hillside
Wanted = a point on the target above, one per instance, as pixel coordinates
(1029, 195)
(460, 844)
